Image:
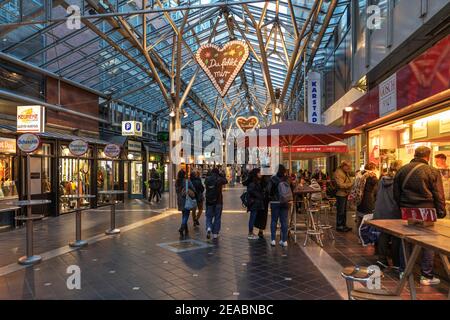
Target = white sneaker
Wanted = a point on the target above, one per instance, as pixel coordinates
(429, 282)
(252, 237)
(273, 243)
(215, 236)
(283, 243)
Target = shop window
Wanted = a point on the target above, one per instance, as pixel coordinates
(74, 177)
(8, 183)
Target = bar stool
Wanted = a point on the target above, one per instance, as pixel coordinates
(358, 274)
(332, 202)
(324, 221)
(312, 226)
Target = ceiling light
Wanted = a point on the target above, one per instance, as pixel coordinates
(172, 113)
(185, 114)
(348, 109)
(277, 111)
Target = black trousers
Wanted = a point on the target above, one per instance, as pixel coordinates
(390, 246)
(341, 211)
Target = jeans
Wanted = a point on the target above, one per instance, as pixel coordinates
(251, 220)
(341, 211)
(185, 216)
(427, 263)
(197, 211)
(214, 218)
(279, 212)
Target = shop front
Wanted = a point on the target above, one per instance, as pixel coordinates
(156, 160)
(410, 108)
(134, 170)
(75, 176)
(9, 172)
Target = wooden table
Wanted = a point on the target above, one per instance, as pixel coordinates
(436, 238)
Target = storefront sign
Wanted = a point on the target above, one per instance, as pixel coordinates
(28, 142)
(419, 214)
(112, 151)
(134, 145)
(222, 65)
(420, 129)
(7, 145)
(132, 128)
(317, 149)
(314, 98)
(30, 119)
(388, 95)
(247, 124)
(78, 148)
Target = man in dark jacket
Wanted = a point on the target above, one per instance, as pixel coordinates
(199, 189)
(419, 185)
(214, 202)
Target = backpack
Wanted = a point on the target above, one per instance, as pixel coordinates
(357, 192)
(212, 191)
(285, 192)
(245, 199)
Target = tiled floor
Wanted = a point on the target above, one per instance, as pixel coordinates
(138, 263)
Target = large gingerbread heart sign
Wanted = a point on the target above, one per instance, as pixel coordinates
(222, 65)
(247, 124)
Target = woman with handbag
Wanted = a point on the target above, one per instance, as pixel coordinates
(185, 200)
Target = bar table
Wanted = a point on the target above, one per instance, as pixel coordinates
(30, 257)
(110, 194)
(78, 243)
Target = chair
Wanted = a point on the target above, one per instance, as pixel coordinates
(324, 221)
(312, 226)
(363, 275)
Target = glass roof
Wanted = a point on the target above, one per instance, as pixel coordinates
(107, 52)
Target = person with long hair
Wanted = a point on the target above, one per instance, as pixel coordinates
(255, 199)
(387, 208)
(182, 193)
(199, 190)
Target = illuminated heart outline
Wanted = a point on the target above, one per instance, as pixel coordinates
(247, 120)
(236, 69)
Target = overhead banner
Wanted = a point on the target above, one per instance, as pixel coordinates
(132, 128)
(314, 98)
(247, 124)
(30, 119)
(388, 95)
(222, 65)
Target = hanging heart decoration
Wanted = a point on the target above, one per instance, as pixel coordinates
(222, 65)
(247, 124)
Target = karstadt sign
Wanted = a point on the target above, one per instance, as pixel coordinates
(314, 98)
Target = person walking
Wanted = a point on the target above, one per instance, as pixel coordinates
(255, 199)
(387, 208)
(199, 190)
(419, 185)
(369, 188)
(214, 202)
(344, 185)
(279, 210)
(184, 188)
(155, 185)
(261, 215)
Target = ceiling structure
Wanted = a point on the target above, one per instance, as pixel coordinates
(141, 52)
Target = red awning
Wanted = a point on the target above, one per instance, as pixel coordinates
(316, 149)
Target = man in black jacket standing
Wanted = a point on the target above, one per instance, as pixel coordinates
(419, 185)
